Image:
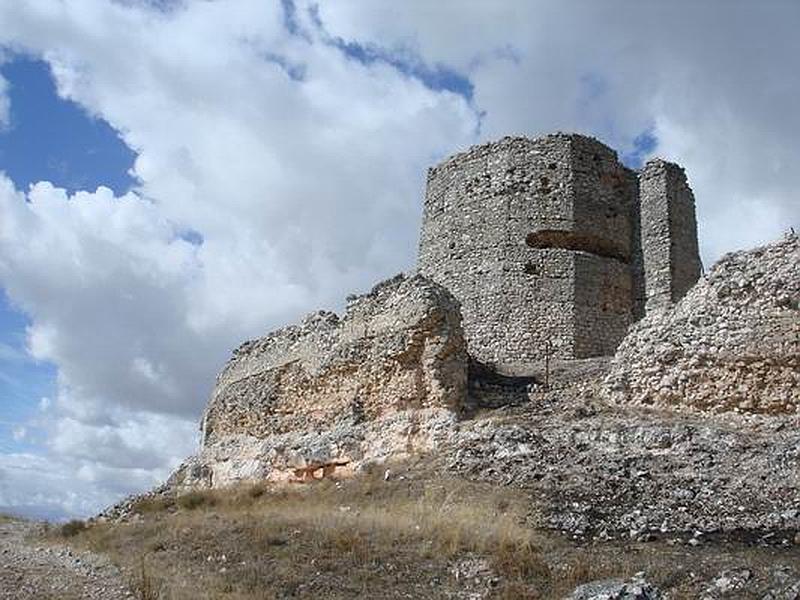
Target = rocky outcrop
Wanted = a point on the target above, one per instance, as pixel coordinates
(599, 472)
(731, 344)
(616, 589)
(322, 397)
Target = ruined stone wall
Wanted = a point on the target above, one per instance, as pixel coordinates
(604, 207)
(670, 254)
(534, 237)
(400, 347)
(731, 344)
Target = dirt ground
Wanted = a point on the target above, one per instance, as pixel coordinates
(33, 567)
(409, 537)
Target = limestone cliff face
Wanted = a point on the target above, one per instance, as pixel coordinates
(331, 392)
(733, 343)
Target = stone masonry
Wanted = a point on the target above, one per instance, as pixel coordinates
(669, 233)
(537, 242)
(551, 248)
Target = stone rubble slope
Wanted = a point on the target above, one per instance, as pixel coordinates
(310, 400)
(31, 570)
(599, 472)
(731, 344)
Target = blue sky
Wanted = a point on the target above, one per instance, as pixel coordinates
(278, 164)
(48, 139)
(52, 139)
(23, 382)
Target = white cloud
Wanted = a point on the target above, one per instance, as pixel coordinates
(107, 280)
(714, 80)
(302, 170)
(302, 191)
(86, 466)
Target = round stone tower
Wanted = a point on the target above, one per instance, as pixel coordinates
(538, 240)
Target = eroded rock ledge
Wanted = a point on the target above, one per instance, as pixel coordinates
(320, 397)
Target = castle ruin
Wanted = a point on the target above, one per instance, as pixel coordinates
(554, 247)
(528, 244)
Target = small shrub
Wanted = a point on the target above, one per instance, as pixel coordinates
(146, 586)
(194, 500)
(349, 542)
(520, 559)
(256, 491)
(147, 505)
(72, 528)
(241, 497)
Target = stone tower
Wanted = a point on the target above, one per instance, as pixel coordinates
(670, 256)
(539, 239)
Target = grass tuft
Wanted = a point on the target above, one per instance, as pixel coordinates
(144, 583)
(196, 499)
(150, 504)
(72, 528)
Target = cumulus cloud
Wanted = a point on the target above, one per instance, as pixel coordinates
(281, 152)
(107, 282)
(276, 174)
(712, 81)
(85, 465)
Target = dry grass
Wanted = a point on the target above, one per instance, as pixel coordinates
(147, 505)
(71, 528)
(327, 540)
(363, 538)
(143, 582)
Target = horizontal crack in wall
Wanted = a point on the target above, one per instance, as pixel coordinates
(578, 242)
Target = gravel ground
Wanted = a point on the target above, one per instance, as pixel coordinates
(30, 568)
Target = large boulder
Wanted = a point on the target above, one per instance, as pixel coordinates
(322, 397)
(731, 344)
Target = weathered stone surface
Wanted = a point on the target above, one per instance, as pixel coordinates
(321, 397)
(523, 231)
(548, 244)
(545, 240)
(732, 343)
(299, 457)
(601, 472)
(399, 347)
(616, 589)
(670, 257)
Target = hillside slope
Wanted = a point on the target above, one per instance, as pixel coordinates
(368, 455)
